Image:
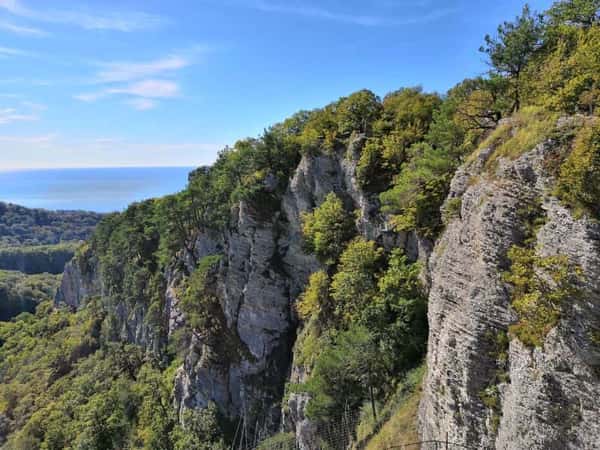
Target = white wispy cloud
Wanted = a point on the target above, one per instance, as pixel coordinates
(89, 97)
(353, 19)
(143, 82)
(26, 81)
(20, 111)
(22, 30)
(142, 104)
(9, 51)
(54, 150)
(90, 20)
(29, 140)
(11, 115)
(128, 70)
(33, 106)
(143, 94)
(149, 89)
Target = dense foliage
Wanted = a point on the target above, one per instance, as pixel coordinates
(327, 228)
(24, 226)
(367, 310)
(363, 330)
(579, 179)
(64, 386)
(37, 259)
(22, 293)
(540, 287)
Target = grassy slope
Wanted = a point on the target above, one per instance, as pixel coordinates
(401, 428)
(397, 422)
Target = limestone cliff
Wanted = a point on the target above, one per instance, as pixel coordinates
(546, 397)
(262, 271)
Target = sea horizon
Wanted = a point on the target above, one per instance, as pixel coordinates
(98, 189)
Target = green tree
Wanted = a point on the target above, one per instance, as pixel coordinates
(513, 47)
(354, 286)
(347, 372)
(327, 229)
(397, 317)
(419, 191)
(200, 431)
(198, 300)
(314, 301)
(357, 112)
(470, 110)
(369, 169)
(320, 132)
(156, 416)
(407, 112)
(405, 120)
(584, 13)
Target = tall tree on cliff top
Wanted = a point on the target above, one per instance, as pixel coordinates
(582, 13)
(513, 47)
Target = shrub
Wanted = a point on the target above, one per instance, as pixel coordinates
(419, 191)
(520, 134)
(280, 441)
(354, 285)
(452, 209)
(314, 301)
(579, 179)
(327, 229)
(198, 301)
(541, 285)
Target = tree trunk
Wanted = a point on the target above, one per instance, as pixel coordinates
(373, 402)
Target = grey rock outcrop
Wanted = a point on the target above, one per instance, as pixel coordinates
(547, 398)
(82, 281)
(79, 284)
(253, 290)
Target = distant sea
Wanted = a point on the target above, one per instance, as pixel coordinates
(100, 190)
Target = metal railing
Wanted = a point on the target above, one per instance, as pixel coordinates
(431, 445)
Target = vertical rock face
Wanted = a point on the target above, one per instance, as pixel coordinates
(552, 400)
(547, 399)
(77, 284)
(262, 271)
(254, 293)
(82, 281)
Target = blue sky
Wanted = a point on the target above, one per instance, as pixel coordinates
(156, 82)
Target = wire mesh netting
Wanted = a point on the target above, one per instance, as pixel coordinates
(341, 435)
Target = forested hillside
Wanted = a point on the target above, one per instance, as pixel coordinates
(22, 293)
(37, 259)
(353, 265)
(25, 226)
(39, 243)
